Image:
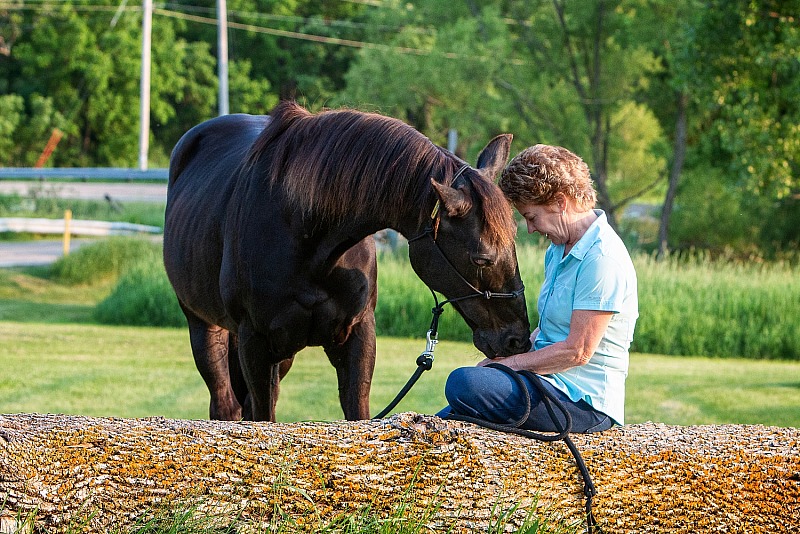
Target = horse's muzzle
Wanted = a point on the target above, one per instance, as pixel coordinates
(494, 345)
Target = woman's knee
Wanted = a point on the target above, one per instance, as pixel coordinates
(486, 393)
(461, 386)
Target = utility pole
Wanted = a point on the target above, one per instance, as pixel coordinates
(144, 90)
(222, 55)
(452, 140)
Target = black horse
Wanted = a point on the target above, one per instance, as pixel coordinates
(268, 245)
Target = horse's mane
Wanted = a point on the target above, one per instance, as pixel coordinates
(344, 164)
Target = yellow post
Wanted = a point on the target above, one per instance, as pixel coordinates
(67, 220)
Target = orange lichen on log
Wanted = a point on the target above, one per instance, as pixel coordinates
(90, 474)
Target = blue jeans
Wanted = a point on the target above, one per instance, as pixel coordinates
(493, 395)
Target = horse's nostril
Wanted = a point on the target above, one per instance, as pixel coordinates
(518, 344)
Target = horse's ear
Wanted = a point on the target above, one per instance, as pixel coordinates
(456, 202)
(493, 157)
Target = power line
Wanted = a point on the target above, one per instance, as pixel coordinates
(251, 15)
(324, 39)
(290, 34)
(277, 32)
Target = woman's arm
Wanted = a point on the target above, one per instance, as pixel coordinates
(586, 329)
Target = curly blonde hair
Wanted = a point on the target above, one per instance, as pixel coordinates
(539, 173)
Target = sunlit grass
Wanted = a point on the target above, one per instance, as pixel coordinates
(141, 372)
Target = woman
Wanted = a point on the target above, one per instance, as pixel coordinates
(587, 306)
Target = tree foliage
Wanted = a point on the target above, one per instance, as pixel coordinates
(686, 104)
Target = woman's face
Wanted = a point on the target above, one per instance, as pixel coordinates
(546, 219)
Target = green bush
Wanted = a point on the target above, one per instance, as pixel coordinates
(689, 305)
(103, 260)
(142, 297)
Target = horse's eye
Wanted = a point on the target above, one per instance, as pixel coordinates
(481, 260)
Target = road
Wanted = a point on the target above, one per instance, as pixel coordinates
(46, 251)
(118, 191)
(41, 252)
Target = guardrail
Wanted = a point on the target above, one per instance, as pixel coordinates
(73, 227)
(82, 173)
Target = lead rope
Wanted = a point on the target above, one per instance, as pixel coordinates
(425, 363)
(424, 360)
(589, 490)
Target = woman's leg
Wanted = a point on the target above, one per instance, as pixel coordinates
(494, 395)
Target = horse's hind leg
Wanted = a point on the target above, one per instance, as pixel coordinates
(210, 349)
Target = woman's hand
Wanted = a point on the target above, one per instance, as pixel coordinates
(509, 361)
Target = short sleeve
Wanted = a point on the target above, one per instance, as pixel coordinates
(601, 284)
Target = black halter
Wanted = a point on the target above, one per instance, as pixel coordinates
(425, 359)
(429, 232)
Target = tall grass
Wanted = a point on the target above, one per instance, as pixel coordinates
(105, 259)
(696, 306)
(143, 297)
(688, 305)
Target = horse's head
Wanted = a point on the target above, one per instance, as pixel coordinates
(467, 253)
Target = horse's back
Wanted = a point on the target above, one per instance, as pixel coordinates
(216, 140)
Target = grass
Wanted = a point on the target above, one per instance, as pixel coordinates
(402, 520)
(56, 359)
(718, 308)
(142, 371)
(29, 295)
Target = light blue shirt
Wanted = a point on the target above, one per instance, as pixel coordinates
(597, 274)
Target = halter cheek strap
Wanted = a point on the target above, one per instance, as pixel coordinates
(436, 207)
(431, 231)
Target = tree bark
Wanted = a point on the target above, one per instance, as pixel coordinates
(90, 474)
(679, 156)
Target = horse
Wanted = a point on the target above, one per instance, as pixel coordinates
(268, 245)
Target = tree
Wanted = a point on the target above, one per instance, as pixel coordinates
(566, 73)
(57, 472)
(751, 112)
(723, 114)
(590, 64)
(434, 65)
(78, 72)
(290, 52)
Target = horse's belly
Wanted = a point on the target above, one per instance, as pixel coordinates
(193, 268)
(298, 323)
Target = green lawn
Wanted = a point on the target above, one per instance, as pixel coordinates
(140, 372)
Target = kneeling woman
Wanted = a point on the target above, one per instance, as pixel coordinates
(587, 307)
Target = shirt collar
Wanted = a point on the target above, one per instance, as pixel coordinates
(590, 236)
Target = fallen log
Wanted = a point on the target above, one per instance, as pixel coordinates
(69, 473)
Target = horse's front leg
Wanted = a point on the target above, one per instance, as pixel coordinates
(262, 371)
(354, 361)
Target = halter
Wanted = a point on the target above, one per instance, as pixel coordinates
(431, 233)
(425, 359)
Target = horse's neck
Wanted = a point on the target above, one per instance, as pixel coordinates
(331, 241)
